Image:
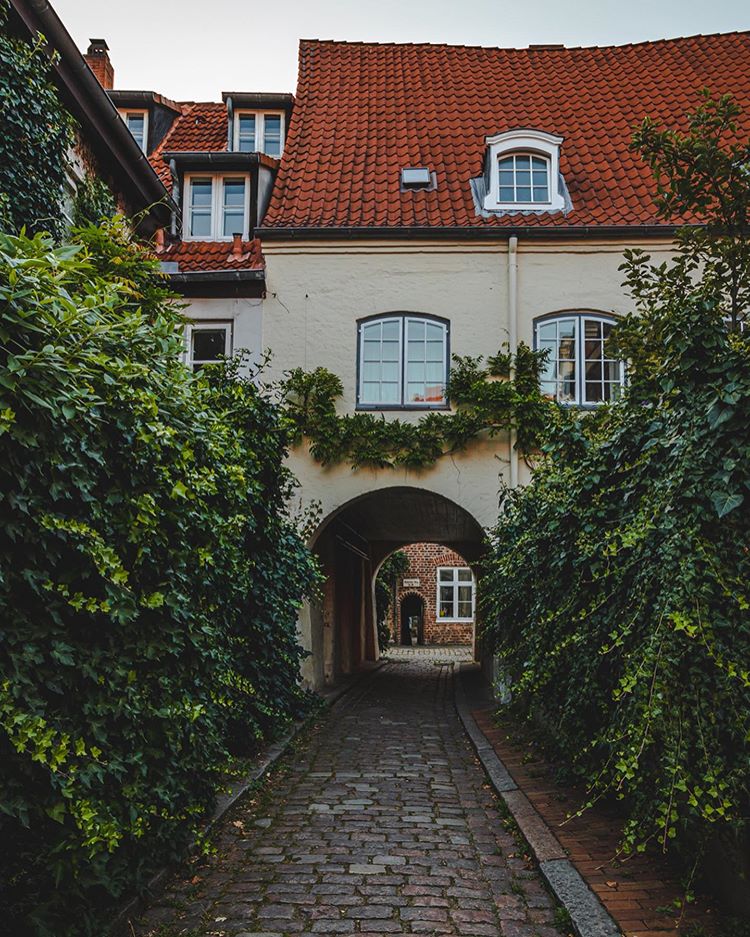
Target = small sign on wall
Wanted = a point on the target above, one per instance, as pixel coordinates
(409, 583)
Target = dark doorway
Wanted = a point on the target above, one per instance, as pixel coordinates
(412, 619)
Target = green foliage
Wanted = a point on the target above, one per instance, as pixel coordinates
(93, 202)
(483, 406)
(617, 590)
(35, 135)
(392, 569)
(149, 579)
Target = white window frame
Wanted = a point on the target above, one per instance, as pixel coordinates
(454, 584)
(260, 129)
(522, 143)
(142, 112)
(532, 202)
(403, 319)
(217, 206)
(580, 317)
(207, 325)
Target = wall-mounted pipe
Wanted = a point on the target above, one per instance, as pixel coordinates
(513, 340)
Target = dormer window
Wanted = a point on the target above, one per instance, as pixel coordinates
(137, 124)
(524, 179)
(216, 207)
(523, 172)
(259, 132)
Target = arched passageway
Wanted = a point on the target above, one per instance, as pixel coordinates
(351, 544)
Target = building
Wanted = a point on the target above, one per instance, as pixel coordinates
(410, 203)
(434, 599)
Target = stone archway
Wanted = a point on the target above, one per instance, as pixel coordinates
(352, 541)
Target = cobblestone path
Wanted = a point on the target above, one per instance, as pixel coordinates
(382, 823)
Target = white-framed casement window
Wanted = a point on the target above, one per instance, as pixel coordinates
(137, 124)
(206, 343)
(403, 362)
(455, 593)
(216, 207)
(524, 178)
(259, 132)
(579, 369)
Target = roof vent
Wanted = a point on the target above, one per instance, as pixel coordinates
(541, 46)
(417, 177)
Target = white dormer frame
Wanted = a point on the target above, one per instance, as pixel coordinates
(535, 143)
(260, 128)
(126, 112)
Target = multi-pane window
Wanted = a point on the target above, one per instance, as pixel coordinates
(246, 128)
(207, 343)
(455, 598)
(403, 361)
(137, 124)
(258, 132)
(217, 207)
(579, 368)
(524, 178)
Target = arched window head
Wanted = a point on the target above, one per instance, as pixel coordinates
(523, 172)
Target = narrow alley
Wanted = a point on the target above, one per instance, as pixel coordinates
(381, 823)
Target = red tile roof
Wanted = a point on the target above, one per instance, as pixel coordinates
(193, 256)
(363, 111)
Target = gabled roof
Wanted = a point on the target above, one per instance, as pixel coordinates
(363, 111)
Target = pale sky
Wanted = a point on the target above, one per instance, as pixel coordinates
(195, 49)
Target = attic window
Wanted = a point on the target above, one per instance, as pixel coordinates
(416, 177)
(522, 172)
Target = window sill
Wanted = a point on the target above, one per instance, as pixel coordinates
(412, 407)
(454, 621)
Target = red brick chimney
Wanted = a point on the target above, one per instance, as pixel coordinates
(97, 59)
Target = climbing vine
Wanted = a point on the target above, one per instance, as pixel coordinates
(93, 202)
(36, 133)
(390, 572)
(488, 398)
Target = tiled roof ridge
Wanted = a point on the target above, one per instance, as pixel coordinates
(542, 47)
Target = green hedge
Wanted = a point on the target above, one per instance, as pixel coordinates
(149, 578)
(618, 584)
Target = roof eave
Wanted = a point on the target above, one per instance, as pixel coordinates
(469, 232)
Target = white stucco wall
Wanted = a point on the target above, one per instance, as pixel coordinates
(246, 316)
(317, 291)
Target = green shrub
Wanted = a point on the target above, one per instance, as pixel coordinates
(149, 579)
(617, 591)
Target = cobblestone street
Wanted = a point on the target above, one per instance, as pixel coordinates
(380, 823)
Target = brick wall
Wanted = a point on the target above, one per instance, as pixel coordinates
(424, 560)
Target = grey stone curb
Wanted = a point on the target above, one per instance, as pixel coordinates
(588, 915)
(118, 927)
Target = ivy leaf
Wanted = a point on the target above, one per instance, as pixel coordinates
(725, 502)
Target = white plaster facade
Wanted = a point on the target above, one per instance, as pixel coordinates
(316, 292)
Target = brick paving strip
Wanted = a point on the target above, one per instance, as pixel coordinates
(639, 893)
(382, 822)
